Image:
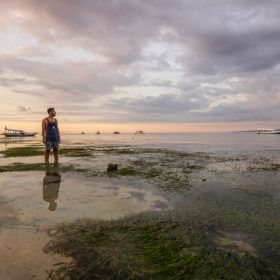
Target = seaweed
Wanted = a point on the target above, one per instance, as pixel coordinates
(142, 247)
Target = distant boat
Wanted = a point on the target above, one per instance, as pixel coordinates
(97, 132)
(139, 132)
(117, 132)
(17, 133)
(82, 133)
(268, 131)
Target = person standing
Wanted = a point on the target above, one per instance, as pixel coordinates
(51, 135)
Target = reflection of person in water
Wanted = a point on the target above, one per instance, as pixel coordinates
(51, 184)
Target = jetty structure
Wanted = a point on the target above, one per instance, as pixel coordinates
(9, 132)
(268, 131)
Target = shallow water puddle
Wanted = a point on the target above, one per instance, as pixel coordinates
(41, 199)
(32, 201)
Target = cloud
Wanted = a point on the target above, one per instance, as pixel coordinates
(74, 80)
(194, 60)
(23, 108)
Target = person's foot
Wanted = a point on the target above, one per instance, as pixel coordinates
(55, 162)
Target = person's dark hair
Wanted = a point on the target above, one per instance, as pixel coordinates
(49, 110)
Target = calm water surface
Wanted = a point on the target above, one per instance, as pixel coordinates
(225, 143)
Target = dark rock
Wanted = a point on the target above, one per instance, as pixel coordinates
(112, 167)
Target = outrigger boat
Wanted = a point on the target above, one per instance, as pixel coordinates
(17, 133)
(268, 131)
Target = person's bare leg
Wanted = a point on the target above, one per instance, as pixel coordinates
(47, 156)
(55, 153)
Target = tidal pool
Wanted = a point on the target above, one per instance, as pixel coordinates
(39, 198)
(30, 202)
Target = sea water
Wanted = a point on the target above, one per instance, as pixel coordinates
(267, 145)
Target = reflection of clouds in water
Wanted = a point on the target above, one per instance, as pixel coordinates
(160, 204)
(84, 197)
(51, 185)
(111, 188)
(138, 195)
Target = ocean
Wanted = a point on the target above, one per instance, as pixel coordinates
(236, 143)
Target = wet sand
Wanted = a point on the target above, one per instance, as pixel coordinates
(22, 254)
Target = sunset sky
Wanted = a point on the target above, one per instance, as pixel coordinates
(156, 65)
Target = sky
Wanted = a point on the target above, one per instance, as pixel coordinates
(155, 65)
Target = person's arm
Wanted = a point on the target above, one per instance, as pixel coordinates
(44, 128)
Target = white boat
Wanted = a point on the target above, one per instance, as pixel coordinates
(17, 133)
(268, 131)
